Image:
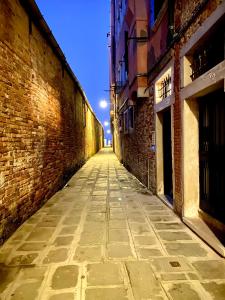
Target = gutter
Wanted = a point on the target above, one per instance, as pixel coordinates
(37, 18)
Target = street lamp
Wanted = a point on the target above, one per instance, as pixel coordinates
(103, 104)
(106, 123)
(108, 131)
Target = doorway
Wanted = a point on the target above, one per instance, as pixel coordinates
(211, 154)
(167, 156)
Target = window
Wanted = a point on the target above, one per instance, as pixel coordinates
(155, 7)
(122, 75)
(208, 54)
(163, 86)
(126, 124)
(129, 119)
(120, 14)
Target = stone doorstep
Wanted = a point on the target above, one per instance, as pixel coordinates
(197, 225)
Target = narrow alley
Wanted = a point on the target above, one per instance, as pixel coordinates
(103, 236)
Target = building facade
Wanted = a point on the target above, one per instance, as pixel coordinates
(168, 115)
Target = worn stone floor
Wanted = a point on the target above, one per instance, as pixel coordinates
(104, 237)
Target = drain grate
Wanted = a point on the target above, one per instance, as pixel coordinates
(175, 264)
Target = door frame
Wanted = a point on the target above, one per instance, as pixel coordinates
(159, 107)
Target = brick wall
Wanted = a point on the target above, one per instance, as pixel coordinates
(137, 156)
(47, 128)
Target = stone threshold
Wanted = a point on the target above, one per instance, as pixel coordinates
(197, 225)
(165, 201)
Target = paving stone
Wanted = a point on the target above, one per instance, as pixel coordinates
(93, 226)
(174, 235)
(88, 254)
(147, 253)
(68, 230)
(7, 276)
(71, 221)
(33, 220)
(119, 251)
(63, 241)
(100, 193)
(96, 217)
(100, 209)
(145, 240)
(36, 273)
(159, 213)
(40, 234)
(26, 291)
(116, 210)
(22, 232)
(27, 259)
(139, 228)
(63, 296)
(171, 264)
(162, 219)
(186, 249)
(104, 274)
(169, 226)
(4, 254)
(92, 238)
(156, 207)
(115, 194)
(173, 276)
(118, 235)
(106, 294)
(65, 277)
(55, 256)
(193, 276)
(118, 224)
(215, 289)
(32, 246)
(183, 291)
(55, 212)
(143, 281)
(98, 198)
(211, 269)
(115, 204)
(117, 216)
(136, 218)
(49, 221)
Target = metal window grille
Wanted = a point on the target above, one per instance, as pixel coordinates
(165, 87)
(208, 54)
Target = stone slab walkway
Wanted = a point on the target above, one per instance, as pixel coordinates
(103, 237)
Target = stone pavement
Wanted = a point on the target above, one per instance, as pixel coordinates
(104, 237)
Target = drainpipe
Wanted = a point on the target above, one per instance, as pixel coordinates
(171, 20)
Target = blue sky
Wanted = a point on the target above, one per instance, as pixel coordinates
(80, 27)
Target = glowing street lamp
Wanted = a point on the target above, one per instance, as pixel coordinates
(103, 104)
(108, 131)
(106, 123)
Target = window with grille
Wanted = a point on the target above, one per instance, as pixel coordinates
(163, 86)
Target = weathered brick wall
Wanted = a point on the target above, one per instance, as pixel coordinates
(137, 156)
(47, 129)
